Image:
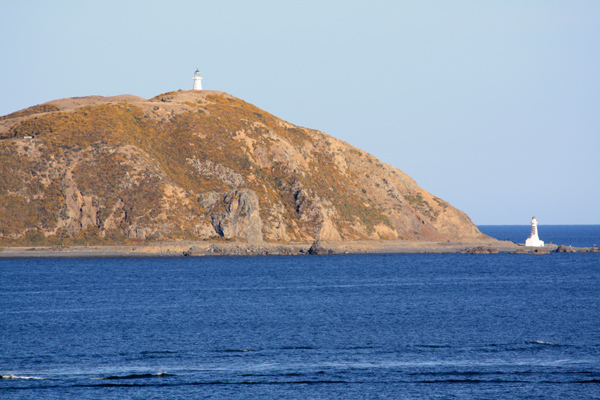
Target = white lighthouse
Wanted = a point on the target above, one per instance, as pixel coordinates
(534, 240)
(197, 80)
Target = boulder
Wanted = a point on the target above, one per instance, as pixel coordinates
(565, 249)
(520, 251)
(481, 250)
(317, 248)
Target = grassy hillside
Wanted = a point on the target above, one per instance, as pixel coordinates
(202, 166)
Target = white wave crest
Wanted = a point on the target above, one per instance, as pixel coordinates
(11, 376)
(542, 342)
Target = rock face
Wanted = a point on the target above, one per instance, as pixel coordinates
(234, 214)
(199, 165)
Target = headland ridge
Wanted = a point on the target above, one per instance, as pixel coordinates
(200, 166)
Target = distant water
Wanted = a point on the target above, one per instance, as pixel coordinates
(569, 235)
(412, 326)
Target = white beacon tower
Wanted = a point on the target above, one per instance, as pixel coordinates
(197, 80)
(534, 240)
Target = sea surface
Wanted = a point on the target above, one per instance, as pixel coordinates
(404, 326)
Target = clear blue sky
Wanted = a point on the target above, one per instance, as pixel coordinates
(493, 106)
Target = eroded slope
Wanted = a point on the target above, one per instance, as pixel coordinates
(199, 165)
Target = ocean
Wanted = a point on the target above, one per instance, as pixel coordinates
(385, 326)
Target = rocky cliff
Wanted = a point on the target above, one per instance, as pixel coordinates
(199, 165)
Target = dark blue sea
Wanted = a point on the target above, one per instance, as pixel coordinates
(406, 326)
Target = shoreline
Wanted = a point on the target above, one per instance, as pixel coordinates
(200, 249)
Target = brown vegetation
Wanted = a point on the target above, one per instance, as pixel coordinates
(117, 171)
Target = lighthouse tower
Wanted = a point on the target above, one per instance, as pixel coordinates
(197, 80)
(534, 240)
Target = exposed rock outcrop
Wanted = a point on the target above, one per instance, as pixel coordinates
(541, 251)
(565, 249)
(234, 214)
(318, 248)
(481, 250)
(520, 251)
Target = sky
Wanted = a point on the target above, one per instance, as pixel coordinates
(493, 106)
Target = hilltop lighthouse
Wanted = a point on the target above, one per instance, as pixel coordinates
(197, 80)
(534, 240)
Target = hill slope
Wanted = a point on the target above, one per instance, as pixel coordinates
(199, 165)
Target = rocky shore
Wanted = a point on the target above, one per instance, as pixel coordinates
(185, 248)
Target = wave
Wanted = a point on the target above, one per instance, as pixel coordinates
(281, 374)
(234, 351)
(160, 352)
(593, 381)
(157, 354)
(542, 343)
(134, 376)
(359, 348)
(466, 373)
(11, 376)
(465, 377)
(472, 381)
(433, 346)
(223, 383)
